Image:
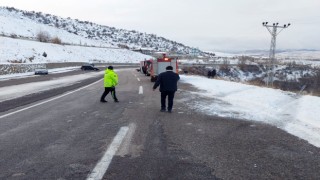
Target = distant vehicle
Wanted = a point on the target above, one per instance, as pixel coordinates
(41, 71)
(154, 67)
(89, 67)
(144, 65)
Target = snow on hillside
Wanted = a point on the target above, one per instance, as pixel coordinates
(31, 52)
(15, 24)
(117, 37)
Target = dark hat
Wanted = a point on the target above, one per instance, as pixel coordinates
(110, 67)
(169, 68)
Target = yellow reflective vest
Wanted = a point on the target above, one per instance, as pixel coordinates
(110, 78)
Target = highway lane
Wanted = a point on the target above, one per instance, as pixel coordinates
(63, 138)
(37, 78)
(24, 90)
(67, 137)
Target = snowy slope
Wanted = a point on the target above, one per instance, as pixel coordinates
(14, 49)
(15, 24)
(89, 30)
(30, 50)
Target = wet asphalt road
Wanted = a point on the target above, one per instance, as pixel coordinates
(66, 137)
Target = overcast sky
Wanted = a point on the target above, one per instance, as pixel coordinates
(214, 25)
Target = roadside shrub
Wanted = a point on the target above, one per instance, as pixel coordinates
(198, 70)
(31, 58)
(13, 35)
(316, 83)
(225, 65)
(242, 63)
(56, 40)
(257, 82)
(15, 61)
(43, 36)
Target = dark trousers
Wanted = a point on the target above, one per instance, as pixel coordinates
(164, 95)
(106, 92)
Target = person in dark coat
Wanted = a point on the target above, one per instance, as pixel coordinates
(168, 86)
(209, 74)
(213, 73)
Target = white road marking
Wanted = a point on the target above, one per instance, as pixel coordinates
(102, 166)
(125, 146)
(138, 79)
(35, 105)
(140, 90)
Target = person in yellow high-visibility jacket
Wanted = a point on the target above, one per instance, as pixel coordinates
(110, 83)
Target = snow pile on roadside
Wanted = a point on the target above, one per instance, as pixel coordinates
(295, 114)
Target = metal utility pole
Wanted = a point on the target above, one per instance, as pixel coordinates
(273, 29)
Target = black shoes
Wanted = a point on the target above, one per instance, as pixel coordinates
(104, 101)
(163, 110)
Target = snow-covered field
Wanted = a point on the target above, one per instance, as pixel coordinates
(302, 55)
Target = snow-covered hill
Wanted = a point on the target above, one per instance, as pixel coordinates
(28, 24)
(16, 25)
(19, 44)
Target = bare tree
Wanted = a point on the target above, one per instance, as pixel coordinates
(43, 36)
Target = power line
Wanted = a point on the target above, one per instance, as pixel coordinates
(273, 29)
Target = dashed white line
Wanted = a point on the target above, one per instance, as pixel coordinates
(102, 166)
(125, 145)
(140, 90)
(138, 79)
